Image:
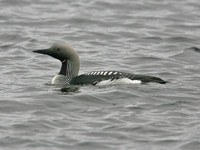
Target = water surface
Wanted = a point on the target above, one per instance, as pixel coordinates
(159, 38)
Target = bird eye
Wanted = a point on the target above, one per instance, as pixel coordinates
(58, 49)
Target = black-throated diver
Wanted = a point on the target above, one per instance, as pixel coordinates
(70, 67)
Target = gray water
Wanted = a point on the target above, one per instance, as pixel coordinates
(159, 38)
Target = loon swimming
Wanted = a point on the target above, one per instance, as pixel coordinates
(70, 67)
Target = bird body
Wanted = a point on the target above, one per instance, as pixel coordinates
(70, 67)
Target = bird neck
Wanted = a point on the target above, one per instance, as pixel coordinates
(69, 69)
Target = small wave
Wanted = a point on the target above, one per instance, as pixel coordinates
(196, 49)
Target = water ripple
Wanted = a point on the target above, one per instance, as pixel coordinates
(158, 38)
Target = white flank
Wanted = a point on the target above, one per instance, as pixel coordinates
(118, 82)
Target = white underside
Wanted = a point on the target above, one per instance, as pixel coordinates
(118, 81)
(59, 79)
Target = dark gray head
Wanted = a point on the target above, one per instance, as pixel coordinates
(62, 52)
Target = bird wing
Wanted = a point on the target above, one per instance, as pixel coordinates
(95, 77)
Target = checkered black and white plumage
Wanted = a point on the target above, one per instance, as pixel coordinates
(95, 77)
